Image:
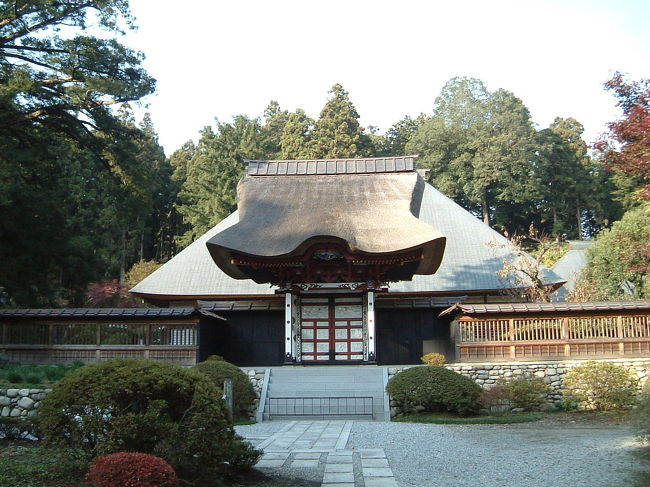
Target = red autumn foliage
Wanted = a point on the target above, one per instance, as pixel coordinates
(626, 147)
(109, 294)
(129, 469)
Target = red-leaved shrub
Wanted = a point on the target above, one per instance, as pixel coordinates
(128, 469)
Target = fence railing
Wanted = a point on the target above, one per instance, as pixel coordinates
(524, 338)
(319, 406)
(94, 342)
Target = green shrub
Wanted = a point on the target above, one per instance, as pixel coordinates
(528, 393)
(148, 407)
(433, 359)
(14, 377)
(435, 389)
(601, 385)
(33, 379)
(243, 393)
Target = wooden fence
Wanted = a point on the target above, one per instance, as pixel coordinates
(531, 338)
(55, 342)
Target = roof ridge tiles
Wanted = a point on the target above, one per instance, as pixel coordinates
(309, 167)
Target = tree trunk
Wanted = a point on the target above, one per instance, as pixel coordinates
(142, 245)
(123, 257)
(579, 219)
(485, 208)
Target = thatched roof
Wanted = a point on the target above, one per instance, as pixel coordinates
(369, 208)
(474, 253)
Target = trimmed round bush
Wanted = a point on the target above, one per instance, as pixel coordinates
(148, 407)
(127, 469)
(601, 385)
(243, 393)
(434, 389)
(433, 359)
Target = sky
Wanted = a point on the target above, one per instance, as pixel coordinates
(214, 59)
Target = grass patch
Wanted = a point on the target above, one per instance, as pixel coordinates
(14, 376)
(448, 419)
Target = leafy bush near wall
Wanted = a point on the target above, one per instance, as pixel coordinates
(528, 393)
(149, 407)
(435, 389)
(243, 393)
(127, 469)
(433, 359)
(601, 385)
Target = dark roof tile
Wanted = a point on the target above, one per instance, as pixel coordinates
(331, 166)
(505, 308)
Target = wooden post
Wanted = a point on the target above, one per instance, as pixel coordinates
(98, 341)
(370, 313)
(621, 334)
(288, 335)
(227, 395)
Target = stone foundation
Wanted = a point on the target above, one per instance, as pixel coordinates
(256, 376)
(551, 372)
(21, 402)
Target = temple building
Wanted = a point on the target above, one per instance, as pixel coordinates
(347, 261)
(335, 261)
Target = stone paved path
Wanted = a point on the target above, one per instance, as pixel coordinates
(322, 445)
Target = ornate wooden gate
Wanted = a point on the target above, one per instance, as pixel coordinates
(332, 329)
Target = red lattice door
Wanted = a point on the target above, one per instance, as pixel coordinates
(332, 329)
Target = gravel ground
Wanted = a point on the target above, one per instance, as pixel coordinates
(538, 455)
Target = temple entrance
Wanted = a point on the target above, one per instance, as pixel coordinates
(331, 329)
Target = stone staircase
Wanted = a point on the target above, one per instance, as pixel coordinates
(326, 392)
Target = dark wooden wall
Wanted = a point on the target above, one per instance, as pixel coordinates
(248, 338)
(256, 338)
(400, 333)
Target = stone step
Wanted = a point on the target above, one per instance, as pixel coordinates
(329, 382)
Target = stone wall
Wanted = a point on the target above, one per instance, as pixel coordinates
(21, 402)
(256, 376)
(25, 402)
(551, 372)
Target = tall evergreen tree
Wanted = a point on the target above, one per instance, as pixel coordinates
(296, 141)
(564, 172)
(275, 119)
(209, 194)
(399, 134)
(337, 132)
(478, 146)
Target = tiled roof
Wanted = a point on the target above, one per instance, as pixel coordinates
(253, 305)
(570, 266)
(99, 313)
(330, 166)
(503, 308)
